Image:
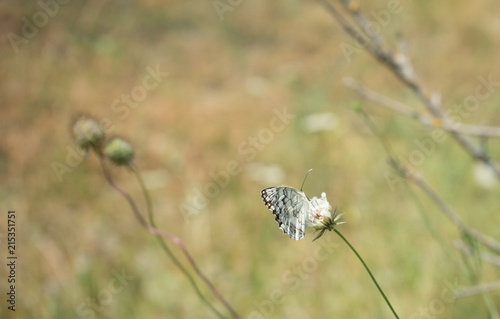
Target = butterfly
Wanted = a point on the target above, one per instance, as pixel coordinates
(290, 207)
(293, 209)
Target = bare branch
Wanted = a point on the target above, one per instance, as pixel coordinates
(487, 257)
(383, 100)
(364, 24)
(353, 31)
(403, 109)
(476, 290)
(401, 66)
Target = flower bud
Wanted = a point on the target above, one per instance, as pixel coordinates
(119, 151)
(87, 132)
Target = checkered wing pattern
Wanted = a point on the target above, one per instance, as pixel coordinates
(291, 209)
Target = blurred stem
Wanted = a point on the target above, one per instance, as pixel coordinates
(110, 181)
(164, 245)
(392, 156)
(155, 231)
(432, 229)
(468, 234)
(359, 108)
(368, 270)
(474, 265)
(490, 305)
(179, 243)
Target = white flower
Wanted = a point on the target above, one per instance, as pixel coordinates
(323, 218)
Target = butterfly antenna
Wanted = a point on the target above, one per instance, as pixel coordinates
(305, 179)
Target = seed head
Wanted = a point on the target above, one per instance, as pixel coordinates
(87, 132)
(119, 151)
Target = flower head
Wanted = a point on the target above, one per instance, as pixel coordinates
(119, 151)
(87, 132)
(323, 218)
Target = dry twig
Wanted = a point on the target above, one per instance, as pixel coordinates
(405, 110)
(476, 290)
(400, 65)
(468, 250)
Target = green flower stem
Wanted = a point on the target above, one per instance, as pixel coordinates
(368, 270)
(164, 245)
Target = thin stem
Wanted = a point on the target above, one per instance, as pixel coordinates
(478, 289)
(155, 231)
(368, 270)
(392, 159)
(147, 197)
(405, 110)
(447, 210)
(129, 199)
(471, 233)
(490, 304)
(179, 243)
(164, 245)
(419, 181)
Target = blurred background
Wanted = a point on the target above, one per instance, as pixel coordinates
(221, 99)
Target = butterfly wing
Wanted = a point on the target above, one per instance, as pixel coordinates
(291, 209)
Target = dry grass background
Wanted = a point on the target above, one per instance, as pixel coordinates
(225, 78)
